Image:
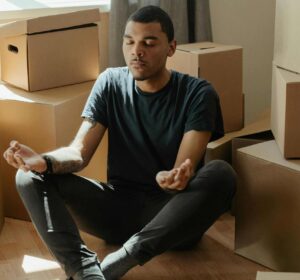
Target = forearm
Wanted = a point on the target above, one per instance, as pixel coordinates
(77, 156)
(66, 160)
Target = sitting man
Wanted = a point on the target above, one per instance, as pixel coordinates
(159, 194)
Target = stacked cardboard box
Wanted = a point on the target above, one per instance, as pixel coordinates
(267, 207)
(267, 203)
(222, 66)
(285, 118)
(1, 204)
(44, 121)
(50, 51)
(277, 276)
(44, 55)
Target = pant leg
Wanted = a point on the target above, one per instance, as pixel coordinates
(50, 201)
(188, 214)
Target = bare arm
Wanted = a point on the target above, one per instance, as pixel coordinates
(191, 151)
(79, 153)
(64, 160)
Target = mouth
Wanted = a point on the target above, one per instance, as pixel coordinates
(137, 63)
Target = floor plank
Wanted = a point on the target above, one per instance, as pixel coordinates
(24, 256)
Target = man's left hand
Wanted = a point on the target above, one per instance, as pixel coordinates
(176, 178)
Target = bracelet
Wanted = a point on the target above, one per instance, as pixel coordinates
(49, 169)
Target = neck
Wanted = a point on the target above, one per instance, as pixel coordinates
(154, 84)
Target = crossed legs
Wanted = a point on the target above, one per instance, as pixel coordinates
(150, 222)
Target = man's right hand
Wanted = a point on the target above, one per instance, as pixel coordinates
(23, 157)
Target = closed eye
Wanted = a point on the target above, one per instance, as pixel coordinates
(129, 42)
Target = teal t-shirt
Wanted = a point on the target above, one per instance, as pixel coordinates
(146, 129)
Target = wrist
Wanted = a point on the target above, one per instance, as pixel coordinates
(46, 167)
(49, 167)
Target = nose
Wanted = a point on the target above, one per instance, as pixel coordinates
(138, 50)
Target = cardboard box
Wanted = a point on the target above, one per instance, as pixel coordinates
(277, 276)
(285, 117)
(222, 148)
(1, 204)
(287, 40)
(222, 66)
(44, 121)
(51, 51)
(267, 207)
(248, 140)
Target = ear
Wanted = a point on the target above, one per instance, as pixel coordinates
(172, 48)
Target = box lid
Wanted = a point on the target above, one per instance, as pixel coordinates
(47, 23)
(206, 47)
(269, 151)
(277, 276)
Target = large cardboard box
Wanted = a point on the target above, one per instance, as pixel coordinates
(222, 66)
(44, 121)
(285, 117)
(1, 204)
(50, 51)
(222, 148)
(267, 207)
(287, 39)
(277, 276)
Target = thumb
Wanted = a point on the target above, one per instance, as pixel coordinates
(14, 144)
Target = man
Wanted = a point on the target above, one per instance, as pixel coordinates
(159, 196)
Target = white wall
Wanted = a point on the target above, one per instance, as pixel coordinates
(250, 24)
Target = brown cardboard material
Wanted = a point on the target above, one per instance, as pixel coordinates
(44, 121)
(245, 141)
(50, 51)
(222, 149)
(287, 40)
(222, 66)
(285, 117)
(277, 276)
(248, 140)
(267, 207)
(1, 204)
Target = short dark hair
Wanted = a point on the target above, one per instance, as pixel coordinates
(152, 13)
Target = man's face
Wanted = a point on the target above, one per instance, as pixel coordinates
(145, 49)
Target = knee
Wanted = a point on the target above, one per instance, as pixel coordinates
(223, 175)
(24, 180)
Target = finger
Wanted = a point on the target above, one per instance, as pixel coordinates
(10, 157)
(178, 185)
(180, 173)
(171, 176)
(15, 145)
(188, 167)
(21, 163)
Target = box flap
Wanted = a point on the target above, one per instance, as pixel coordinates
(53, 96)
(47, 23)
(269, 151)
(289, 76)
(206, 47)
(277, 276)
(259, 126)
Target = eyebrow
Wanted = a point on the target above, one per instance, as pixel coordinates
(145, 38)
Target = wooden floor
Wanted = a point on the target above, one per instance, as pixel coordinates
(23, 256)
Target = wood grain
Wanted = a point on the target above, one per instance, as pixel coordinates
(23, 256)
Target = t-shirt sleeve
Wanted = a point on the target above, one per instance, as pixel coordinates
(96, 105)
(204, 112)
